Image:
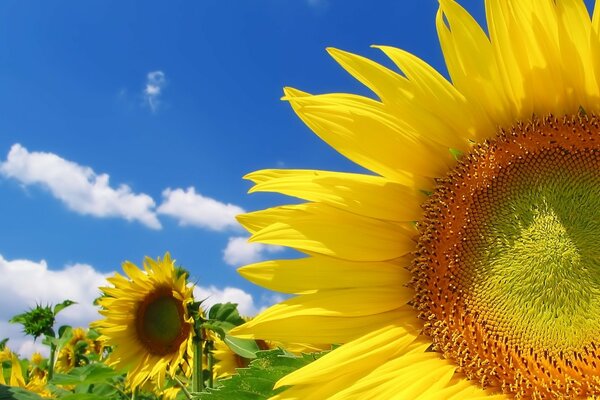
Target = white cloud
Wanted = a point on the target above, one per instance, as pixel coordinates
(239, 251)
(213, 295)
(155, 82)
(191, 208)
(79, 187)
(26, 283)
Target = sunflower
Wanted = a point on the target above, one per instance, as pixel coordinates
(67, 359)
(34, 382)
(466, 262)
(226, 360)
(146, 320)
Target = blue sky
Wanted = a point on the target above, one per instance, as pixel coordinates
(127, 127)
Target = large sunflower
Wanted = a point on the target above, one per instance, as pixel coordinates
(146, 320)
(468, 264)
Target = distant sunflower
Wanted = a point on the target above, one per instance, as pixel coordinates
(468, 264)
(34, 383)
(226, 360)
(66, 359)
(146, 320)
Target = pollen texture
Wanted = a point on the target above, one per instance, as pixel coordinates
(507, 272)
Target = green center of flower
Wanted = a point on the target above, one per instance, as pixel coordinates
(160, 322)
(537, 254)
(508, 266)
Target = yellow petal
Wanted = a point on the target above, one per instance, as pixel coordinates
(355, 302)
(407, 375)
(422, 107)
(472, 65)
(525, 37)
(362, 130)
(577, 51)
(459, 388)
(133, 272)
(436, 95)
(362, 354)
(326, 230)
(16, 373)
(302, 328)
(318, 273)
(367, 195)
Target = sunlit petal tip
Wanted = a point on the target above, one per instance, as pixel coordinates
(291, 93)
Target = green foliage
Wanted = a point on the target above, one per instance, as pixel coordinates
(88, 374)
(246, 348)
(226, 313)
(15, 393)
(224, 317)
(257, 381)
(61, 306)
(3, 343)
(93, 381)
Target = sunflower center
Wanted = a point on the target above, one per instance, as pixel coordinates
(160, 322)
(508, 266)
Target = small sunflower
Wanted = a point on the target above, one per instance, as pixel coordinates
(34, 382)
(146, 320)
(67, 359)
(467, 263)
(226, 360)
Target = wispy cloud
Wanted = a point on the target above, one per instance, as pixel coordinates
(78, 187)
(155, 83)
(194, 209)
(240, 252)
(26, 283)
(318, 5)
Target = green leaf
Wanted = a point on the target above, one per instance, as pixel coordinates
(83, 396)
(257, 381)
(88, 374)
(64, 329)
(246, 348)
(93, 334)
(220, 328)
(226, 312)
(15, 393)
(61, 306)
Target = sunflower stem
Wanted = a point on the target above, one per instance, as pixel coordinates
(209, 362)
(51, 362)
(184, 389)
(197, 378)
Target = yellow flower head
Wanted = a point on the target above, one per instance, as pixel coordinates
(146, 320)
(36, 358)
(78, 334)
(35, 383)
(66, 359)
(466, 264)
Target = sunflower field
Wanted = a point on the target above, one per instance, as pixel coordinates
(156, 342)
